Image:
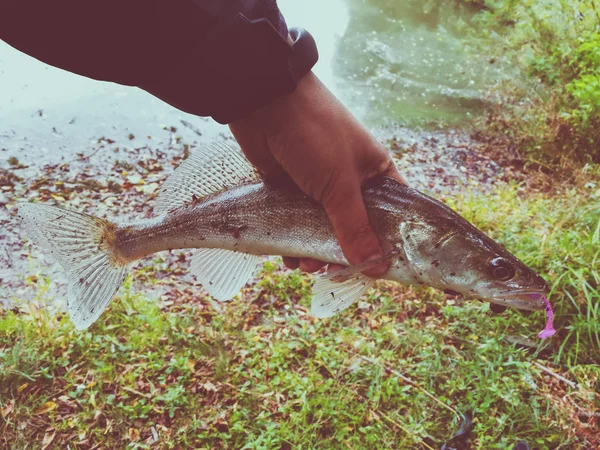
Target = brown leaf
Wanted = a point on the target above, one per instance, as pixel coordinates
(134, 434)
(48, 438)
(8, 408)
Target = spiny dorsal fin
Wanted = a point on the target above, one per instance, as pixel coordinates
(331, 297)
(223, 273)
(216, 167)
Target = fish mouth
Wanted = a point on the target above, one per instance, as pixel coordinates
(527, 299)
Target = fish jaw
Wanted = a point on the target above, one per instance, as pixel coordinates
(529, 300)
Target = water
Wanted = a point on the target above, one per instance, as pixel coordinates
(394, 61)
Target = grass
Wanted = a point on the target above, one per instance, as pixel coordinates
(395, 372)
(551, 111)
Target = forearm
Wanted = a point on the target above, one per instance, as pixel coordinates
(162, 46)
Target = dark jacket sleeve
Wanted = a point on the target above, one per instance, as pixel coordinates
(174, 49)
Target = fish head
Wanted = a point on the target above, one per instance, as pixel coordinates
(469, 262)
(444, 250)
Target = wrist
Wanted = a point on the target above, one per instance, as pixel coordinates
(281, 109)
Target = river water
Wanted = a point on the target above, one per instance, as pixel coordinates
(394, 61)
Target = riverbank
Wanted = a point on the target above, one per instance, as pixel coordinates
(260, 371)
(165, 366)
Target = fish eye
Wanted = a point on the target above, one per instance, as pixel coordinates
(501, 269)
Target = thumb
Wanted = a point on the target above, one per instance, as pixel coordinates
(348, 215)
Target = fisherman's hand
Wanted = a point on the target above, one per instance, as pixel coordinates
(310, 137)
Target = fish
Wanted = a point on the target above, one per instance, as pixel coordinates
(217, 203)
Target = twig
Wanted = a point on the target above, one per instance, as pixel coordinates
(596, 11)
(412, 383)
(133, 391)
(187, 124)
(84, 157)
(399, 425)
(555, 375)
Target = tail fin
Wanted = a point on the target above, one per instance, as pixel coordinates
(84, 247)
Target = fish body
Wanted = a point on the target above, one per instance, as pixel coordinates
(215, 203)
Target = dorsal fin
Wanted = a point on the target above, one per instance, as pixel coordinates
(216, 167)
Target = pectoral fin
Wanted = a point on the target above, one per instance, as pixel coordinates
(348, 272)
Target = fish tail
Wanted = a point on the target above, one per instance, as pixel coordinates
(84, 246)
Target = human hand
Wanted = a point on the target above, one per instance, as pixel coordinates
(310, 137)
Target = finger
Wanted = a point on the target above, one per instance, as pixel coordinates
(311, 265)
(256, 149)
(291, 263)
(348, 215)
(392, 172)
(266, 164)
(386, 167)
(269, 168)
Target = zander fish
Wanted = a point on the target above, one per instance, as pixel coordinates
(216, 202)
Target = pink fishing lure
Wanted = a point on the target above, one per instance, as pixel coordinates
(549, 330)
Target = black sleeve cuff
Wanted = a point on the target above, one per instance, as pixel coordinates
(243, 65)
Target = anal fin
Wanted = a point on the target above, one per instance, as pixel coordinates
(223, 273)
(331, 297)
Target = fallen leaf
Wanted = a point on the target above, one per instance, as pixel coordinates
(8, 408)
(191, 365)
(210, 387)
(48, 438)
(45, 408)
(134, 434)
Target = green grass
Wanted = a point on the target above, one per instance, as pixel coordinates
(264, 374)
(550, 106)
(560, 237)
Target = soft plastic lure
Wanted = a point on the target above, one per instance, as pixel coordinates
(549, 330)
